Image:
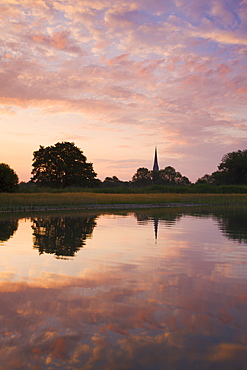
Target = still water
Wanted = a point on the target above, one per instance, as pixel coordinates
(160, 289)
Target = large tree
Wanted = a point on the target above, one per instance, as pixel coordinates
(8, 178)
(233, 169)
(62, 165)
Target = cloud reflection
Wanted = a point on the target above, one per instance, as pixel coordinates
(114, 320)
(175, 306)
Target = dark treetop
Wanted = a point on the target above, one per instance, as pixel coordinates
(62, 165)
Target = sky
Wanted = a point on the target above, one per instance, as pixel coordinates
(118, 78)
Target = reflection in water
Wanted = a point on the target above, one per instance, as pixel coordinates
(233, 224)
(156, 225)
(7, 229)
(232, 221)
(167, 218)
(181, 305)
(62, 236)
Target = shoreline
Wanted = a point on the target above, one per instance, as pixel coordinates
(116, 206)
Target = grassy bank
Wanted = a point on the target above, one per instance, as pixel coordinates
(131, 189)
(23, 201)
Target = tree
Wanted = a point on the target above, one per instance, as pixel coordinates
(62, 165)
(206, 179)
(142, 177)
(112, 182)
(169, 176)
(184, 181)
(233, 169)
(8, 178)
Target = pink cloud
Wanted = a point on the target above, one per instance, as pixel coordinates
(123, 18)
(175, 65)
(120, 59)
(59, 40)
(223, 70)
(242, 90)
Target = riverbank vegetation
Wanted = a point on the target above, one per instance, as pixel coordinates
(80, 200)
(62, 168)
(129, 189)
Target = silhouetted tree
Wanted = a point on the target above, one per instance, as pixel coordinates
(142, 177)
(113, 182)
(62, 165)
(206, 179)
(233, 169)
(62, 236)
(8, 179)
(169, 176)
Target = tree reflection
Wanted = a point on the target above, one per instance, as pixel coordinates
(7, 229)
(62, 236)
(232, 220)
(168, 218)
(233, 223)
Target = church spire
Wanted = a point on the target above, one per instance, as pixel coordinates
(156, 165)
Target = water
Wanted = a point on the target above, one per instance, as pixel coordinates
(156, 289)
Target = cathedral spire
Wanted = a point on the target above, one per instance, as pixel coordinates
(156, 165)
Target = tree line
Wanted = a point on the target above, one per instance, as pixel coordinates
(64, 165)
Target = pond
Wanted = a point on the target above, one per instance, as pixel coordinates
(146, 289)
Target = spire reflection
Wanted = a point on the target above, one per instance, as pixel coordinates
(156, 224)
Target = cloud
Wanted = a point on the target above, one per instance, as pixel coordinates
(59, 40)
(178, 66)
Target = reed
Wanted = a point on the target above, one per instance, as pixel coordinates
(13, 201)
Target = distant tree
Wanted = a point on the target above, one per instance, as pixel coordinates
(169, 176)
(142, 177)
(220, 178)
(8, 179)
(233, 169)
(184, 181)
(156, 177)
(112, 181)
(206, 179)
(62, 165)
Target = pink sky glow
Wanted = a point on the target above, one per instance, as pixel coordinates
(119, 78)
